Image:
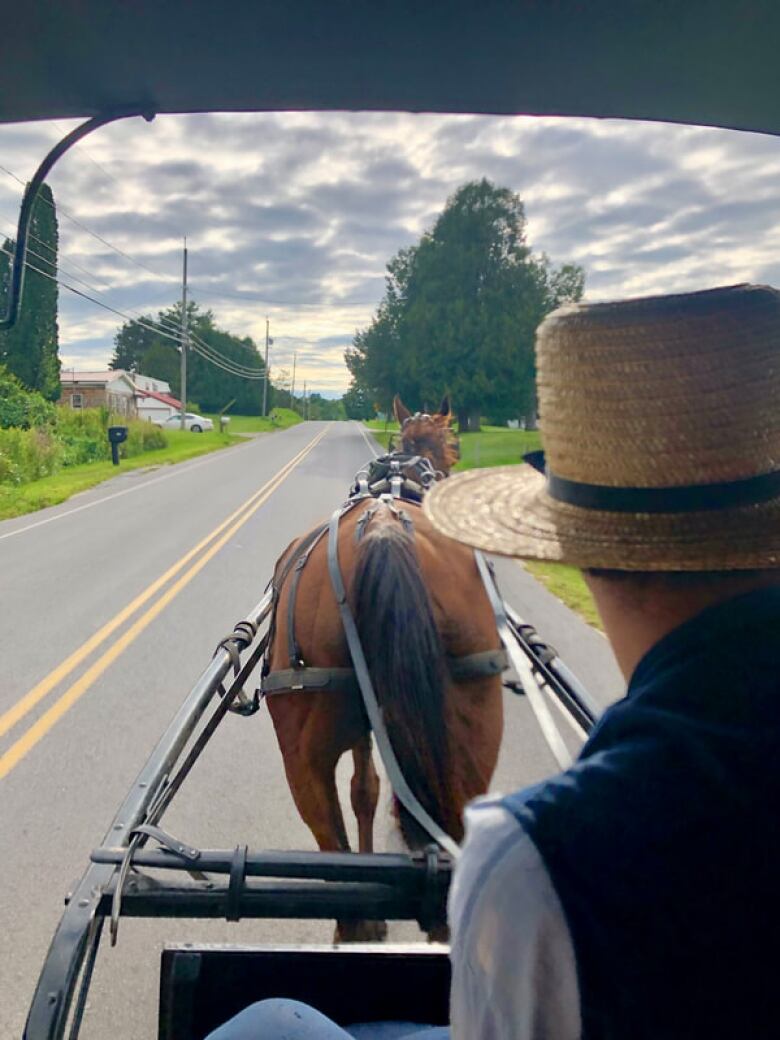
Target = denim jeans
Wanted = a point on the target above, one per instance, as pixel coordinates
(281, 1019)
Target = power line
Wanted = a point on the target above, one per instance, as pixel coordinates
(222, 357)
(201, 343)
(84, 151)
(256, 375)
(74, 220)
(62, 255)
(98, 303)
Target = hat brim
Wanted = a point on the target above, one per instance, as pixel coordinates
(507, 510)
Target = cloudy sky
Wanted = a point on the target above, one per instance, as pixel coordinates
(294, 216)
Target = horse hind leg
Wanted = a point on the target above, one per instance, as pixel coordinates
(364, 793)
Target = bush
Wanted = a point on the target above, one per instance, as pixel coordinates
(153, 437)
(73, 438)
(141, 436)
(27, 455)
(21, 408)
(83, 433)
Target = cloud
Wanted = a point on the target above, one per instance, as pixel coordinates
(294, 216)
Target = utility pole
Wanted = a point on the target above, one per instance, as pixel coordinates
(265, 374)
(184, 338)
(304, 415)
(292, 384)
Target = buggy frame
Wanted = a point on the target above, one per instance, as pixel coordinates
(243, 883)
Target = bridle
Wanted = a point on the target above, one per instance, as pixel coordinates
(398, 474)
(425, 417)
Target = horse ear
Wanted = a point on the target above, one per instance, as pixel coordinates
(444, 407)
(400, 410)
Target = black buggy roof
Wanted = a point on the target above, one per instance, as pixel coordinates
(694, 61)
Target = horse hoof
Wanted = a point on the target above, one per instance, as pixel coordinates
(360, 931)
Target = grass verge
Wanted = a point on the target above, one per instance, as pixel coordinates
(280, 419)
(498, 446)
(569, 586)
(16, 500)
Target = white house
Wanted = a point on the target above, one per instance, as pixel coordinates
(153, 399)
(110, 389)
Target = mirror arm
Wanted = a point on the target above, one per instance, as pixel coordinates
(31, 193)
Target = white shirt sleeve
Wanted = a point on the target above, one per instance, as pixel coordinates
(514, 975)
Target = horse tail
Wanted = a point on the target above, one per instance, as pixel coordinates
(405, 658)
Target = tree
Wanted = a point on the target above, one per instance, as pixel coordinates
(132, 342)
(142, 349)
(319, 407)
(30, 349)
(357, 403)
(20, 407)
(460, 312)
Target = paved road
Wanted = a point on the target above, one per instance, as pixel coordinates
(113, 602)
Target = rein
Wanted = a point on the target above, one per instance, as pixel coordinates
(397, 779)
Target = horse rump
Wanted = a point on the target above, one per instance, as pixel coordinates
(405, 657)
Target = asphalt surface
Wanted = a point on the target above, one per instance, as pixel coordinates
(80, 719)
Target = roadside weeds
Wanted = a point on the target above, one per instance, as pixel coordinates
(18, 500)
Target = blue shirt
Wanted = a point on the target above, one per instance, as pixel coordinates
(639, 891)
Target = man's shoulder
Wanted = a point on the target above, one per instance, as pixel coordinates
(499, 864)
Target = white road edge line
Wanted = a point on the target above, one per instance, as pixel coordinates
(550, 731)
(575, 727)
(362, 429)
(174, 470)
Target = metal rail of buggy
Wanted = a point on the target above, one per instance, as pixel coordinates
(235, 883)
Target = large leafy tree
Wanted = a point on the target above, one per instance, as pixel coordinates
(357, 404)
(140, 348)
(30, 349)
(460, 312)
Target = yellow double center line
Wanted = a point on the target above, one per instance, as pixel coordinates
(222, 533)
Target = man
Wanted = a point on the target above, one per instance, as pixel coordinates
(636, 895)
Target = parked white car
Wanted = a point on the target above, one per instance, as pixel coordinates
(192, 422)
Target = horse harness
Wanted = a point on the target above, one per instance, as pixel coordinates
(300, 676)
(391, 480)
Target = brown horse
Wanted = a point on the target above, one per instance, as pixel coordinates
(418, 600)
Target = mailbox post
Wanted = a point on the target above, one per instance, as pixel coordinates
(116, 435)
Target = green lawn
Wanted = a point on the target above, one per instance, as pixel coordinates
(492, 446)
(498, 446)
(280, 419)
(495, 446)
(49, 491)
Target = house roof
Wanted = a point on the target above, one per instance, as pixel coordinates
(165, 398)
(99, 377)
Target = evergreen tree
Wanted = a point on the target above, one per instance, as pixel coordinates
(460, 312)
(30, 349)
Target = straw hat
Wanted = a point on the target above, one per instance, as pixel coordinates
(660, 419)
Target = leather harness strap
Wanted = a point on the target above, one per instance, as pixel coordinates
(302, 553)
(481, 665)
(300, 676)
(401, 789)
(286, 680)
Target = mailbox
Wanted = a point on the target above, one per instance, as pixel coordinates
(116, 434)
